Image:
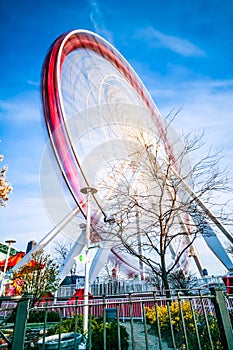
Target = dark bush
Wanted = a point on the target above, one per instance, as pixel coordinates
(39, 316)
(111, 336)
(97, 331)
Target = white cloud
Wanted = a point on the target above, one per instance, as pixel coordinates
(204, 105)
(33, 83)
(22, 144)
(207, 103)
(23, 108)
(157, 39)
(97, 20)
(24, 219)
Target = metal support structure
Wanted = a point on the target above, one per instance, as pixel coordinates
(223, 318)
(9, 242)
(20, 324)
(88, 191)
(47, 238)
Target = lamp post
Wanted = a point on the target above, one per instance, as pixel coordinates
(88, 191)
(9, 242)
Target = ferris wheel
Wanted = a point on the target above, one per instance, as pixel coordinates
(94, 105)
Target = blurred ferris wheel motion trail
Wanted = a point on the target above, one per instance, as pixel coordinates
(94, 104)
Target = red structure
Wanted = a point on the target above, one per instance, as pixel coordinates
(12, 261)
(79, 294)
(228, 280)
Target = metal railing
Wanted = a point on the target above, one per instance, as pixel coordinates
(122, 286)
(131, 321)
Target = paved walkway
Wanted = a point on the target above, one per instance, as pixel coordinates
(139, 337)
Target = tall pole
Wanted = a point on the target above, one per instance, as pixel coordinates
(9, 242)
(88, 191)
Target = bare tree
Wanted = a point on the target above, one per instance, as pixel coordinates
(62, 249)
(156, 196)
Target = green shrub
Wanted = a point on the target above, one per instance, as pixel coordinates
(190, 322)
(97, 330)
(68, 325)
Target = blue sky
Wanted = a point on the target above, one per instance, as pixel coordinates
(182, 51)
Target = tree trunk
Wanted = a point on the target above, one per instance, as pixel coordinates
(164, 276)
(166, 284)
